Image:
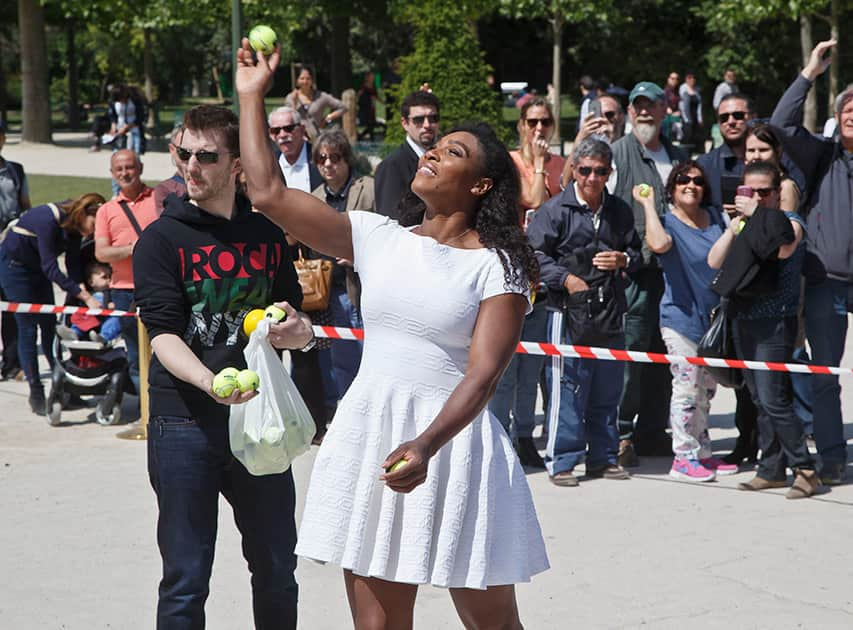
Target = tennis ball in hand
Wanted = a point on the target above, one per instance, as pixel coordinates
(248, 381)
(275, 313)
(645, 190)
(250, 321)
(263, 39)
(397, 465)
(225, 382)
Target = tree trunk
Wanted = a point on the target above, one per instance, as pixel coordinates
(35, 101)
(148, 69)
(833, 67)
(341, 70)
(217, 84)
(73, 77)
(556, 59)
(806, 45)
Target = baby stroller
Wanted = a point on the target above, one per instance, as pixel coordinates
(93, 368)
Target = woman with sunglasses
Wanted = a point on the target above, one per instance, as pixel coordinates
(316, 107)
(681, 239)
(346, 191)
(539, 169)
(415, 482)
(29, 269)
(763, 145)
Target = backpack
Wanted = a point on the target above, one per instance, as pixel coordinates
(16, 172)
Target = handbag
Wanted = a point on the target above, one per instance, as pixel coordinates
(718, 343)
(315, 278)
(593, 316)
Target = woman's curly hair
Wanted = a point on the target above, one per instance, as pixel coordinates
(496, 219)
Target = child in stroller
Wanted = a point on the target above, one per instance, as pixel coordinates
(94, 367)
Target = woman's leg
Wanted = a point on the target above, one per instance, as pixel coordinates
(379, 604)
(688, 413)
(492, 609)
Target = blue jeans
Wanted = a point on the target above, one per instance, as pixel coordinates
(21, 284)
(129, 332)
(189, 465)
(826, 308)
(345, 355)
(780, 431)
(582, 411)
(517, 389)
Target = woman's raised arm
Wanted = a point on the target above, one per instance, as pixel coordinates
(301, 215)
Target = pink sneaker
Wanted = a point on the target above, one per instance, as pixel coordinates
(690, 470)
(719, 466)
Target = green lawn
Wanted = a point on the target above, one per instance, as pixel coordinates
(46, 188)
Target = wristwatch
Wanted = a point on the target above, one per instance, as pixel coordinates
(311, 343)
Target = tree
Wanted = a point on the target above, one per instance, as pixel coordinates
(35, 101)
(447, 55)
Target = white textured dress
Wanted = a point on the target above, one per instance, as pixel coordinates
(472, 522)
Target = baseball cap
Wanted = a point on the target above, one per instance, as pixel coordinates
(651, 91)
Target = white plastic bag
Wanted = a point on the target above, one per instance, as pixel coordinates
(270, 430)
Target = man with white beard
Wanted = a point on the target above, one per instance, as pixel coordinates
(644, 156)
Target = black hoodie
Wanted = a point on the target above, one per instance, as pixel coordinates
(196, 276)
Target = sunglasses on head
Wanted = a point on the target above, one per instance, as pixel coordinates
(585, 171)
(532, 122)
(203, 157)
(736, 115)
(288, 128)
(683, 180)
(763, 192)
(334, 158)
(419, 120)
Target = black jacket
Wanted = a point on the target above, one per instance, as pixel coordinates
(751, 267)
(563, 235)
(394, 177)
(197, 275)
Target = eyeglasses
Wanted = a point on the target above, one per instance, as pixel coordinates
(724, 118)
(287, 128)
(683, 180)
(532, 122)
(203, 157)
(419, 120)
(610, 116)
(585, 171)
(334, 158)
(764, 192)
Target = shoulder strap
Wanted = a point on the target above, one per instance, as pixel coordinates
(130, 217)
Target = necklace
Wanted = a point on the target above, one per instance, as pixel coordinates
(458, 236)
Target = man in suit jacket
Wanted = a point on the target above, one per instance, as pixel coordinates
(420, 116)
(288, 133)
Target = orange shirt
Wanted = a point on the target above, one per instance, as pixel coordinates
(112, 224)
(553, 167)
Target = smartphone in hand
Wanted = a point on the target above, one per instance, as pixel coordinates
(744, 191)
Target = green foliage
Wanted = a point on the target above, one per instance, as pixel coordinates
(446, 55)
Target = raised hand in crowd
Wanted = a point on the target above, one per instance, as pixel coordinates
(819, 60)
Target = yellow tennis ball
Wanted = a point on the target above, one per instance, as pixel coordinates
(275, 313)
(250, 321)
(225, 382)
(263, 39)
(248, 381)
(397, 465)
(645, 190)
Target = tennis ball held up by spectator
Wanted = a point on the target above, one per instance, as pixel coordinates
(225, 382)
(263, 39)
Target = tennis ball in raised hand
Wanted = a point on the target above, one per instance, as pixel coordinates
(645, 190)
(263, 39)
(248, 381)
(250, 321)
(397, 465)
(225, 382)
(275, 313)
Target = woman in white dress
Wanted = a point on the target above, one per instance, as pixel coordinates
(443, 304)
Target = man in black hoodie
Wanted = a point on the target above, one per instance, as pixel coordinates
(199, 270)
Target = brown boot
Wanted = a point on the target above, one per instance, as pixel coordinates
(627, 456)
(760, 483)
(806, 482)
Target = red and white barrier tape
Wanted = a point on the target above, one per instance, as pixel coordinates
(524, 347)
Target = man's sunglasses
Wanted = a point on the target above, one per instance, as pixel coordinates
(763, 192)
(203, 157)
(287, 128)
(585, 171)
(724, 118)
(419, 120)
(610, 116)
(683, 180)
(334, 158)
(532, 122)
